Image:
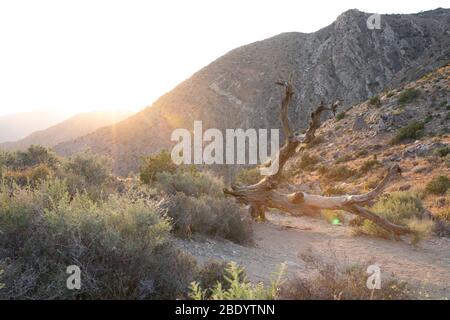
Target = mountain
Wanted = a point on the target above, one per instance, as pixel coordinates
(69, 129)
(344, 61)
(18, 125)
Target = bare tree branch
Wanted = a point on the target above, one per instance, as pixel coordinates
(264, 194)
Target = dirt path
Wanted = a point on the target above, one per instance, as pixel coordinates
(285, 238)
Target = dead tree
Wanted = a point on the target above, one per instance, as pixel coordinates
(264, 194)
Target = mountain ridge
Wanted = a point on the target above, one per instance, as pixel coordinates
(344, 61)
(73, 127)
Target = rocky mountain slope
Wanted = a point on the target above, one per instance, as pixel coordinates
(344, 60)
(389, 129)
(69, 129)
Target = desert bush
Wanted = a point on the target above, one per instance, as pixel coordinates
(34, 156)
(375, 101)
(402, 208)
(337, 173)
(161, 162)
(368, 165)
(214, 272)
(408, 95)
(193, 184)
(334, 191)
(123, 249)
(88, 173)
(438, 185)
(340, 116)
(217, 217)
(27, 176)
(238, 287)
(336, 280)
(442, 152)
(414, 130)
(308, 162)
(248, 176)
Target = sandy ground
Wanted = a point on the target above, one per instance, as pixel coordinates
(283, 239)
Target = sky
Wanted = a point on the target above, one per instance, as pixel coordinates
(79, 56)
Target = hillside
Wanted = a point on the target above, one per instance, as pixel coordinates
(344, 60)
(69, 129)
(16, 126)
(361, 141)
(364, 137)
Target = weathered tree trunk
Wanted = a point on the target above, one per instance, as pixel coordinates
(264, 194)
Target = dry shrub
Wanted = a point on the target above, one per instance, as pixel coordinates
(217, 217)
(123, 248)
(335, 280)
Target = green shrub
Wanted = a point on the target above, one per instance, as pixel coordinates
(35, 155)
(337, 173)
(238, 287)
(408, 95)
(402, 208)
(368, 165)
(189, 183)
(214, 272)
(438, 185)
(217, 217)
(442, 152)
(248, 176)
(88, 173)
(161, 162)
(414, 130)
(375, 101)
(308, 162)
(27, 176)
(340, 116)
(124, 249)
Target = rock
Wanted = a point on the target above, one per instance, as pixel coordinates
(359, 124)
(422, 149)
(422, 169)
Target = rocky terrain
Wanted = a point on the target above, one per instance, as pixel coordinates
(350, 140)
(344, 60)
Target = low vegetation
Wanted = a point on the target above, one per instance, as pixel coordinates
(340, 116)
(375, 101)
(123, 248)
(402, 208)
(335, 280)
(438, 185)
(248, 176)
(237, 287)
(414, 130)
(408, 95)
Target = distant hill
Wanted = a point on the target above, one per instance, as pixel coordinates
(17, 126)
(69, 129)
(344, 60)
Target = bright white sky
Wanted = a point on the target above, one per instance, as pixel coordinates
(88, 55)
